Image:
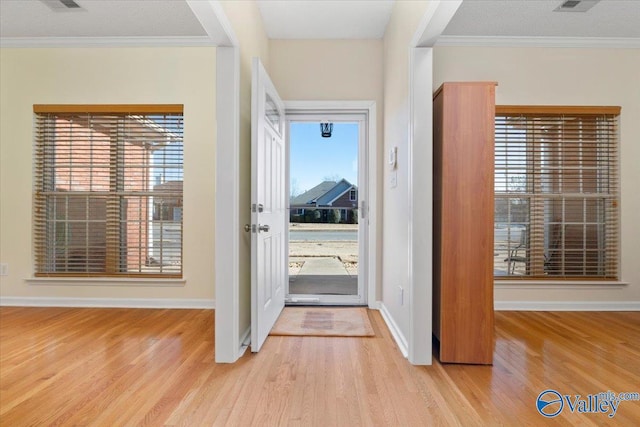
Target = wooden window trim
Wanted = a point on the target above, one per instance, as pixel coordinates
(109, 108)
(174, 276)
(554, 110)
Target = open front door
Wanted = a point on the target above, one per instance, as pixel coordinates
(268, 238)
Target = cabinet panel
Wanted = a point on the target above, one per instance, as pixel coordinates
(463, 221)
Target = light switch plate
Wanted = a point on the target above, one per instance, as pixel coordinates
(393, 179)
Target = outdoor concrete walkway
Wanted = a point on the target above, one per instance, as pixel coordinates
(323, 276)
(321, 266)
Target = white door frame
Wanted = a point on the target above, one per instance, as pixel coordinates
(337, 116)
(228, 342)
(228, 339)
(420, 179)
(370, 159)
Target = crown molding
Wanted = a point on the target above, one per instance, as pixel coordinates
(41, 42)
(566, 42)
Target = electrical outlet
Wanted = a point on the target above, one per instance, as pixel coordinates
(400, 295)
(4, 269)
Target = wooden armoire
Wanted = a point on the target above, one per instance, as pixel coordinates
(463, 209)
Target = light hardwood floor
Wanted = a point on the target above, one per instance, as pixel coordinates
(117, 367)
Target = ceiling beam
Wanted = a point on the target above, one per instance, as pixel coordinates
(436, 18)
(214, 21)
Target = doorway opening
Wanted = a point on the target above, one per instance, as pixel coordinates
(326, 167)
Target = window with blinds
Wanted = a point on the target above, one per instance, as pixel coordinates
(108, 190)
(556, 192)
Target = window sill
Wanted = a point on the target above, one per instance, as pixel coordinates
(559, 284)
(107, 281)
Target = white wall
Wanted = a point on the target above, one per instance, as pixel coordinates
(395, 213)
(332, 70)
(247, 25)
(564, 76)
(107, 76)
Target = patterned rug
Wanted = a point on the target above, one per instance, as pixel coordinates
(324, 322)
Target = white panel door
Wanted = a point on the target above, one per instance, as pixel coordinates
(268, 257)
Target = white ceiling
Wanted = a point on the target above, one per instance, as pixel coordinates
(194, 21)
(325, 19)
(536, 18)
(131, 18)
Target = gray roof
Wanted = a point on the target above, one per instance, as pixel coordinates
(338, 190)
(322, 194)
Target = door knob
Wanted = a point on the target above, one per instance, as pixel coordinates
(247, 228)
(264, 227)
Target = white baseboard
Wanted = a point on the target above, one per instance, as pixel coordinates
(567, 305)
(395, 330)
(108, 302)
(375, 305)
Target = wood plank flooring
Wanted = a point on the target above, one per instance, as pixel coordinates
(126, 367)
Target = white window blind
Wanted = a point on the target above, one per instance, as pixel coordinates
(108, 190)
(556, 192)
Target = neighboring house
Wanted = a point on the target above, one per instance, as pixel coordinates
(80, 220)
(167, 224)
(329, 201)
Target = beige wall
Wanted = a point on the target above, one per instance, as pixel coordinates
(332, 70)
(327, 69)
(564, 76)
(395, 211)
(107, 76)
(247, 25)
